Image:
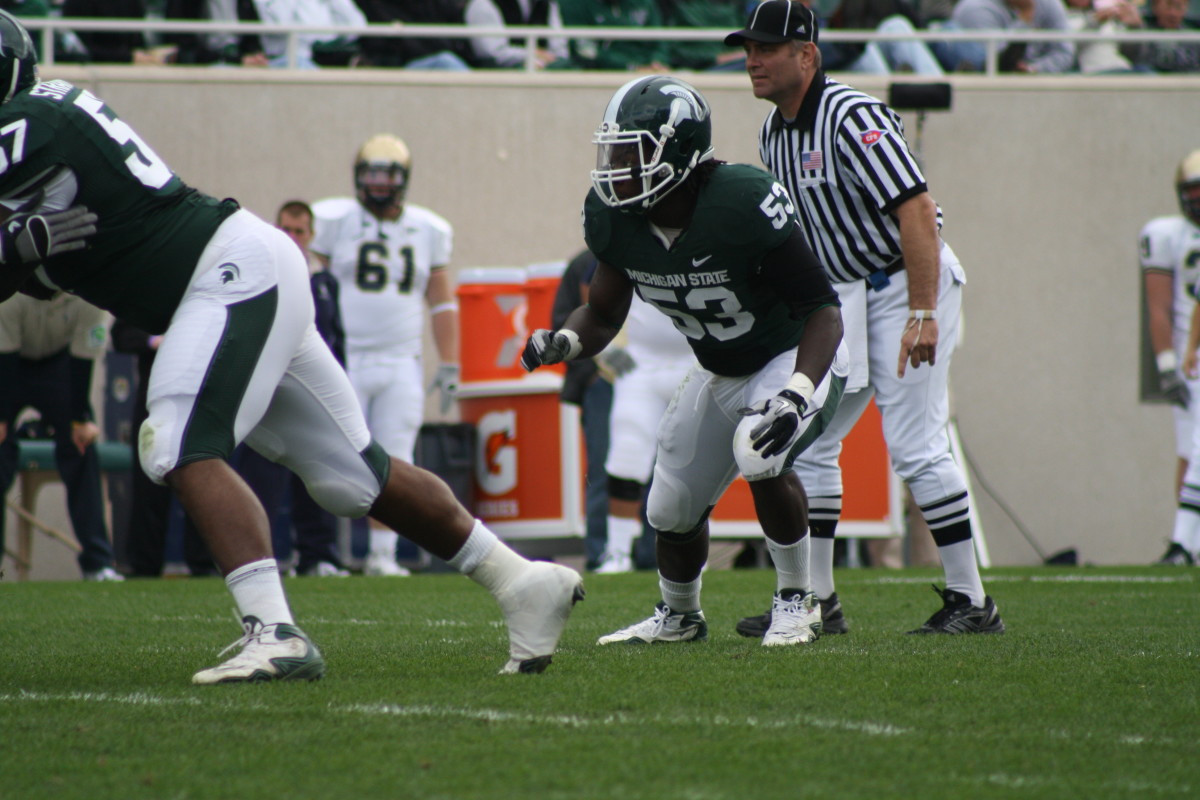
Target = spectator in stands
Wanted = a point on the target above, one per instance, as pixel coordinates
(498, 51)
(701, 55)
(215, 48)
(313, 49)
(47, 351)
(1106, 16)
(150, 503)
(1009, 15)
(882, 57)
(422, 52)
(1166, 15)
(116, 47)
(649, 56)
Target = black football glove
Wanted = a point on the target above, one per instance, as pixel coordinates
(1174, 388)
(548, 347)
(780, 423)
(31, 238)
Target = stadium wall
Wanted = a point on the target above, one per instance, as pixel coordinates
(1044, 181)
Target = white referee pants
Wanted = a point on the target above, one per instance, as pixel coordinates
(915, 408)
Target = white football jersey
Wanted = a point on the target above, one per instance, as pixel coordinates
(383, 269)
(1172, 244)
(653, 337)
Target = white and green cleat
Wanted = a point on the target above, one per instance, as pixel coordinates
(276, 652)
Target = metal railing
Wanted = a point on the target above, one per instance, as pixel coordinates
(994, 41)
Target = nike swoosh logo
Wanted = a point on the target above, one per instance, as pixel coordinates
(696, 262)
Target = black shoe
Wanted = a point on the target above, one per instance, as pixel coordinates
(1177, 556)
(832, 620)
(959, 616)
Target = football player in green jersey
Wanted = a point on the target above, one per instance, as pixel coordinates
(240, 360)
(717, 248)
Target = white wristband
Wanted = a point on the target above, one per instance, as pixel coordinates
(802, 385)
(1167, 362)
(451, 305)
(573, 346)
(922, 313)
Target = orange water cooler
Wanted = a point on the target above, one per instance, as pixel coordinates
(528, 478)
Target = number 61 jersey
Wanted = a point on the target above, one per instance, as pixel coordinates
(383, 269)
(709, 280)
(60, 146)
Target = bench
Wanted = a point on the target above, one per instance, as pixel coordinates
(36, 469)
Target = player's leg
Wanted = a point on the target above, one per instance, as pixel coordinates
(1184, 545)
(638, 406)
(229, 342)
(693, 467)
(780, 500)
(316, 428)
(916, 413)
(394, 413)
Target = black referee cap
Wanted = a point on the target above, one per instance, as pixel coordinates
(777, 21)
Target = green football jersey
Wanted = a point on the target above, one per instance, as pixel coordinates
(709, 282)
(59, 146)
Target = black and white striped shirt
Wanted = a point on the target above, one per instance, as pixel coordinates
(845, 162)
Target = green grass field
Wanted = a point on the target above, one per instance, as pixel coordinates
(1092, 693)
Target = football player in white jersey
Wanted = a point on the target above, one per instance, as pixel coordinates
(391, 259)
(1170, 259)
(648, 361)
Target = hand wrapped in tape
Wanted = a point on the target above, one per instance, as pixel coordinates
(549, 347)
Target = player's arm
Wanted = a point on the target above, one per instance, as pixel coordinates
(443, 311)
(921, 247)
(590, 327)
(1193, 342)
(27, 239)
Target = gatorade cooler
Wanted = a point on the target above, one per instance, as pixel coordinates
(528, 477)
(872, 494)
(541, 284)
(492, 326)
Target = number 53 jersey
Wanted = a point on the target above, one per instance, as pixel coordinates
(709, 280)
(60, 146)
(383, 268)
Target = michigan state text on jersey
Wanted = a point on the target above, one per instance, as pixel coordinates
(709, 282)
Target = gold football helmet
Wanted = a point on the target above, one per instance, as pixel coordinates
(1187, 183)
(381, 171)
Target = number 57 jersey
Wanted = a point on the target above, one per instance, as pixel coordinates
(60, 146)
(383, 269)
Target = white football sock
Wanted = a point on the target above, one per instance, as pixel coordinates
(791, 564)
(680, 597)
(820, 566)
(962, 570)
(383, 543)
(488, 561)
(258, 592)
(622, 532)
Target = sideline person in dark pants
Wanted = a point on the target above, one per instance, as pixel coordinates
(47, 351)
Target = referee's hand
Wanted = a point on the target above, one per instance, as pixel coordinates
(918, 345)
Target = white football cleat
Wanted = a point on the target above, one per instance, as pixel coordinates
(536, 605)
(276, 652)
(664, 625)
(796, 620)
(383, 564)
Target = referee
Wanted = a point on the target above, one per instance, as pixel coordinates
(870, 219)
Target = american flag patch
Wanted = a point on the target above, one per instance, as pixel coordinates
(811, 160)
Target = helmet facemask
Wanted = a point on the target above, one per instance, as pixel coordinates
(381, 185)
(1187, 184)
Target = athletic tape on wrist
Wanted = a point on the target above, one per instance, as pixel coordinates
(922, 313)
(574, 348)
(802, 385)
(440, 308)
(1167, 361)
